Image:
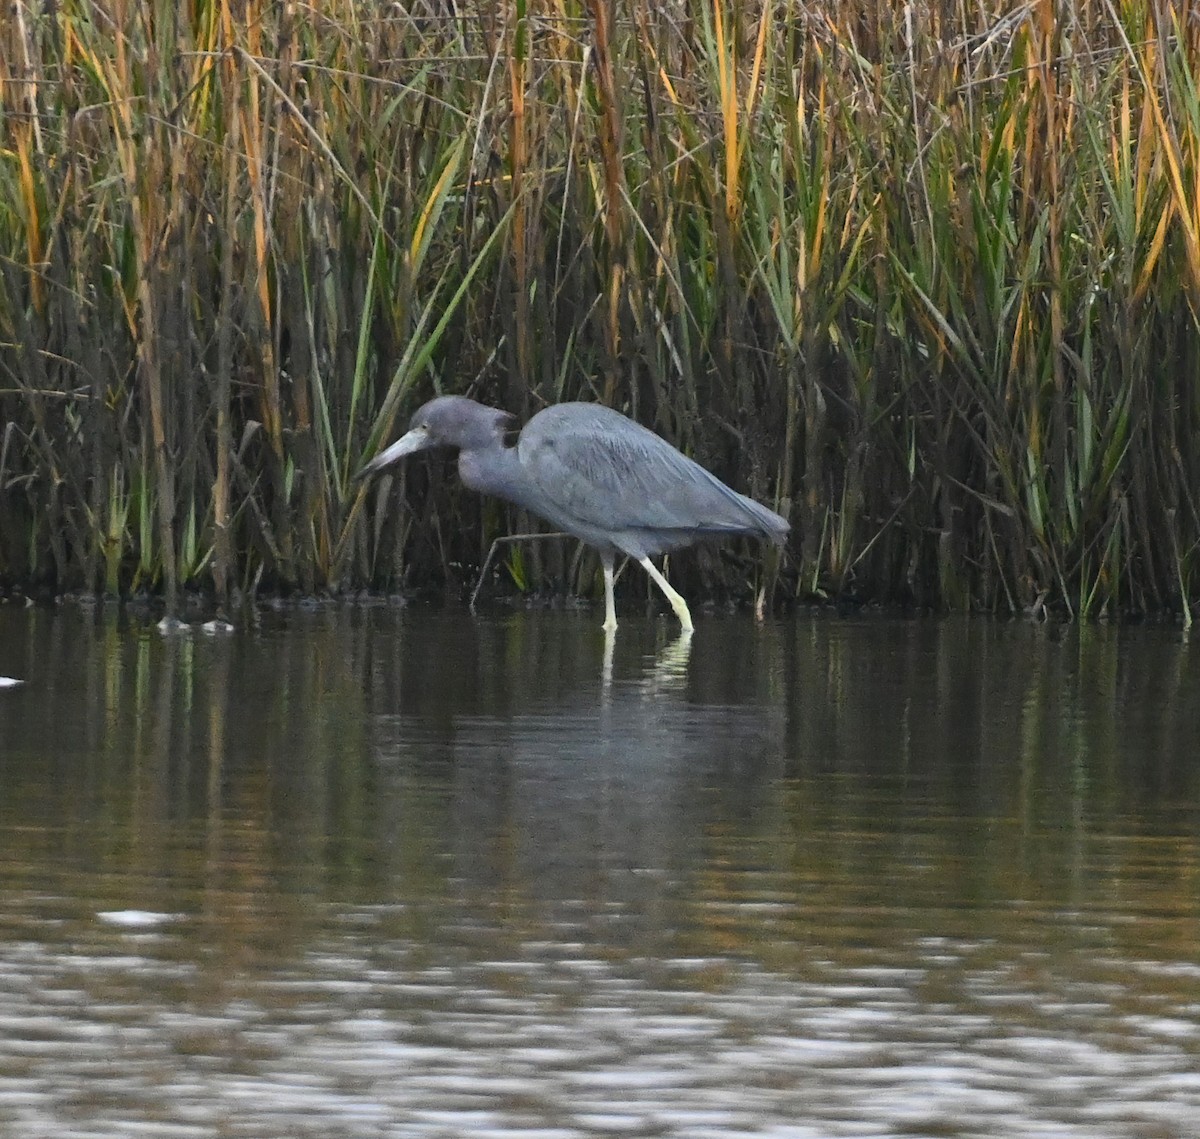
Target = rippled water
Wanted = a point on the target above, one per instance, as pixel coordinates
(391, 872)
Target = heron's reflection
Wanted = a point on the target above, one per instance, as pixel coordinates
(667, 669)
(672, 662)
(566, 788)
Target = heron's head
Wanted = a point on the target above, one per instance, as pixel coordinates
(448, 421)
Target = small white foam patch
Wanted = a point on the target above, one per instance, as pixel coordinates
(135, 919)
(9, 682)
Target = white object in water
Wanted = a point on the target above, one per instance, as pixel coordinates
(9, 682)
(135, 919)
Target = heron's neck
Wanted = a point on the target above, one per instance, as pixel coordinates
(495, 470)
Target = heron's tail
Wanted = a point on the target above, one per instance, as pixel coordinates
(764, 522)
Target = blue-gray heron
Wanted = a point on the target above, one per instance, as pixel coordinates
(595, 474)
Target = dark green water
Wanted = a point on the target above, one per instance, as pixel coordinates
(398, 873)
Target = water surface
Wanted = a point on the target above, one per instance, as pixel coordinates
(391, 872)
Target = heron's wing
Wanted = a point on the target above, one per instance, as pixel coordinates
(610, 473)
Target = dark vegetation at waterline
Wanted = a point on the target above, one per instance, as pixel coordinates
(923, 278)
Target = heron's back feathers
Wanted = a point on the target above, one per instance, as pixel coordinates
(613, 481)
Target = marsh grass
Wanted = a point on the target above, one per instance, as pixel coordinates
(924, 278)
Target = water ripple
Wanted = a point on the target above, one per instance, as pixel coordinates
(534, 1044)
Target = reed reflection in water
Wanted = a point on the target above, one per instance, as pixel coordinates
(379, 872)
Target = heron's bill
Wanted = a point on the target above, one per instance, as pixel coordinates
(408, 444)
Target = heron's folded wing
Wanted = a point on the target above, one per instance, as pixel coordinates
(606, 471)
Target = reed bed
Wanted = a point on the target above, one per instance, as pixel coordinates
(924, 277)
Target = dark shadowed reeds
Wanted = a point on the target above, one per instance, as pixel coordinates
(924, 278)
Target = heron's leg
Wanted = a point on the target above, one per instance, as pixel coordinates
(492, 553)
(610, 608)
(677, 602)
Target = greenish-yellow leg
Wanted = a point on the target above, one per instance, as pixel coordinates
(677, 601)
(610, 608)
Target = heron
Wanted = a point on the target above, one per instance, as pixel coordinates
(593, 473)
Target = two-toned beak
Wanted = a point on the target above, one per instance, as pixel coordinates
(417, 439)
